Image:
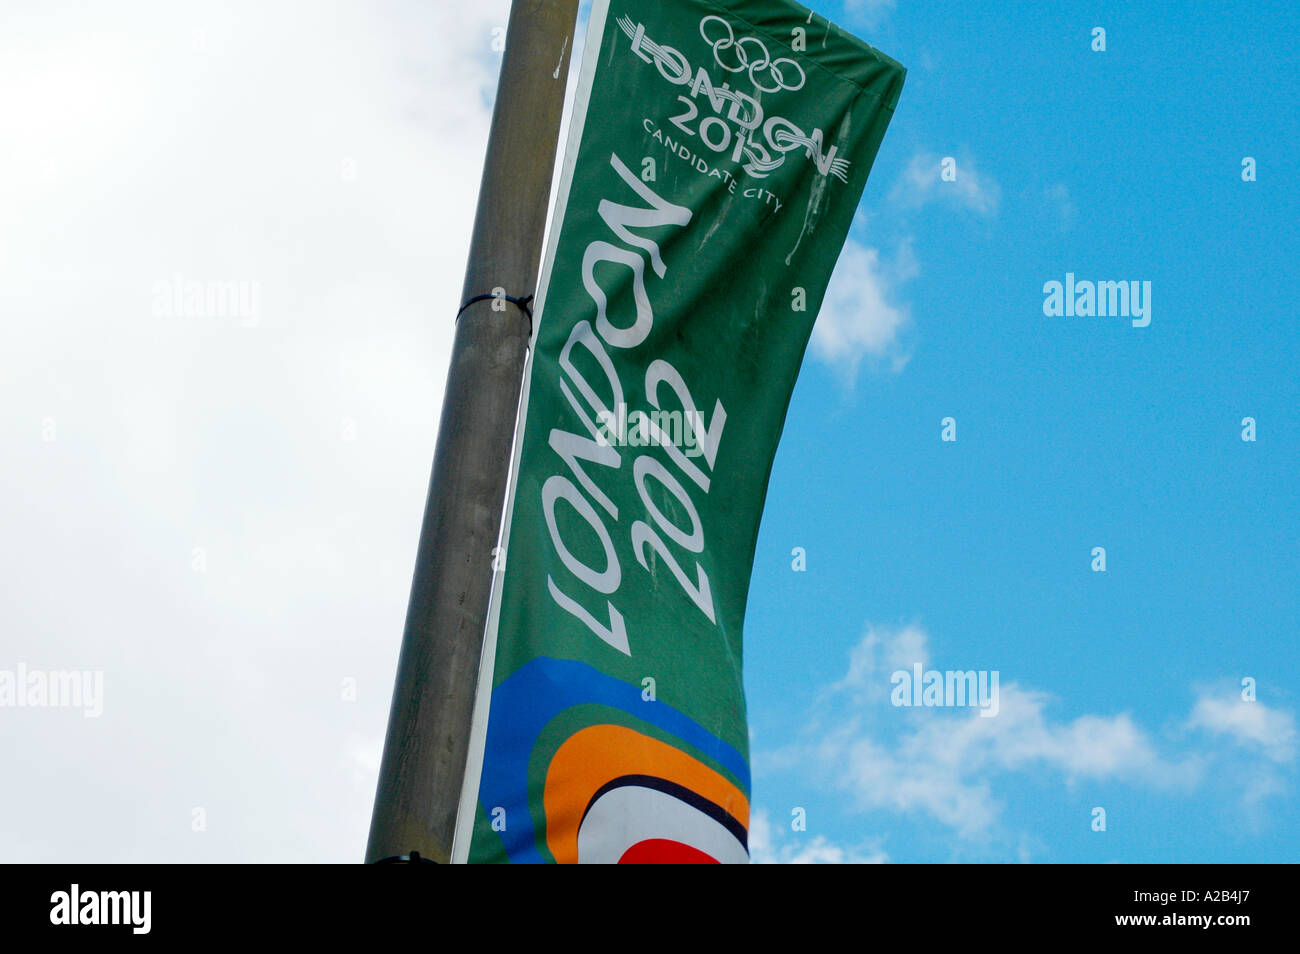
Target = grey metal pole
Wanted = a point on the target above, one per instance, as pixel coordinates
(428, 725)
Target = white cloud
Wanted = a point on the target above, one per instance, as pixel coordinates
(1251, 724)
(949, 764)
(772, 844)
(860, 317)
(971, 189)
(880, 652)
(868, 13)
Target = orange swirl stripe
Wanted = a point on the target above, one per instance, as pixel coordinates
(595, 756)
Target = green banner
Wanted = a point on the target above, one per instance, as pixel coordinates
(716, 159)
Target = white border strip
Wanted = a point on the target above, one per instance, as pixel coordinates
(467, 809)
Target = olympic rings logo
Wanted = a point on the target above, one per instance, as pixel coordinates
(749, 55)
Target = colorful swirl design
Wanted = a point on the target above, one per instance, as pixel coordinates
(610, 793)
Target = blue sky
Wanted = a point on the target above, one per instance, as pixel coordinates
(1072, 433)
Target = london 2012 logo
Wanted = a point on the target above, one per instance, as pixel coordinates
(738, 125)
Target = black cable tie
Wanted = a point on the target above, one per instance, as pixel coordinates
(525, 304)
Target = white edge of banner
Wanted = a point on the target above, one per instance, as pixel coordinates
(466, 809)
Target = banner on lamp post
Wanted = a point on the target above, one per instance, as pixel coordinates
(717, 155)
